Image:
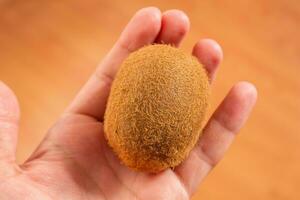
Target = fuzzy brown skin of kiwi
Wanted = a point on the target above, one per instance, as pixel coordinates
(156, 108)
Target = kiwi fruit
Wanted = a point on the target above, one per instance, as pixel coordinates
(156, 108)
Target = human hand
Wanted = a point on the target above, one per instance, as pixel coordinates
(74, 161)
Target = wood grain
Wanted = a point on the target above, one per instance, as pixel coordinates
(48, 49)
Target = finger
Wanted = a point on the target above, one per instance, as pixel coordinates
(142, 29)
(9, 118)
(217, 135)
(175, 25)
(210, 54)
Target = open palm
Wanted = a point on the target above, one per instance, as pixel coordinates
(74, 161)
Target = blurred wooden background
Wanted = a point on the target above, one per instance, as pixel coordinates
(48, 49)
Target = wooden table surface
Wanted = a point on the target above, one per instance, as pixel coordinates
(49, 48)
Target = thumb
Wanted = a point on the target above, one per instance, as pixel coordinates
(9, 117)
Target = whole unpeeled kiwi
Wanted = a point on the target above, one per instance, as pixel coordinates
(156, 108)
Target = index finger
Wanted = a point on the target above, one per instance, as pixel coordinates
(142, 30)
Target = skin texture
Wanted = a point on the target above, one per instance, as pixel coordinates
(74, 161)
(156, 108)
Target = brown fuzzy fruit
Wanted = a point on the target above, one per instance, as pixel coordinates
(156, 108)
